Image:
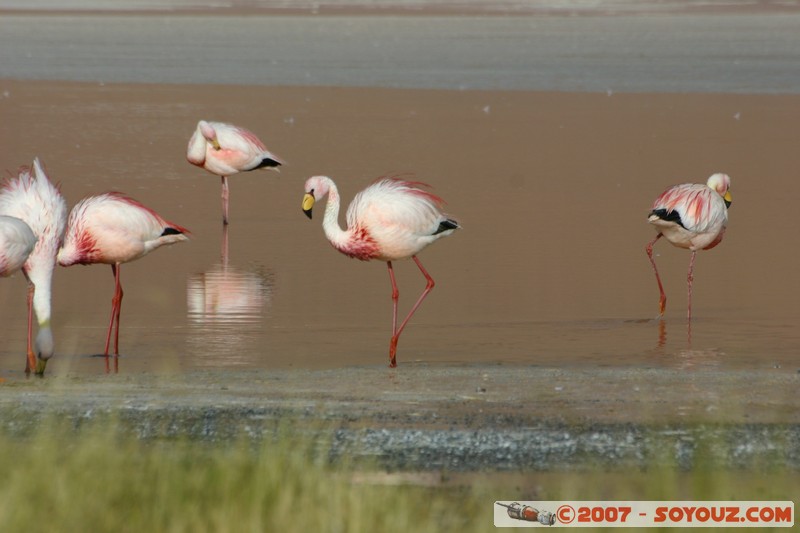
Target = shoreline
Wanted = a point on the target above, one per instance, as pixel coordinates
(456, 418)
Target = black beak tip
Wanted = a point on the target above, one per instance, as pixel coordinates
(308, 213)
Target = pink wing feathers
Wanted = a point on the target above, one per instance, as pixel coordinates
(112, 227)
(698, 206)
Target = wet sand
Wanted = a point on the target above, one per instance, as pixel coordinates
(546, 293)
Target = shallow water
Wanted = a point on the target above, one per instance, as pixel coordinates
(552, 191)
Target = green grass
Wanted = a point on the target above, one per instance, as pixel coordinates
(100, 478)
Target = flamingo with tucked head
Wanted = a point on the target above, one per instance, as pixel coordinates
(392, 219)
(112, 229)
(691, 216)
(225, 149)
(32, 198)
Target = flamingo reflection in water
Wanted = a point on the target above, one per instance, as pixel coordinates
(225, 308)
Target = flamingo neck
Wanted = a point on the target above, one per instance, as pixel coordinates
(196, 153)
(41, 277)
(330, 222)
(40, 274)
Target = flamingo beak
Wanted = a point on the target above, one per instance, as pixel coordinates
(308, 204)
(215, 144)
(728, 199)
(41, 364)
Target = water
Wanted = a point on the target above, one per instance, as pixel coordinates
(549, 268)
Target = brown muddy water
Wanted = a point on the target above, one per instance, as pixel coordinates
(552, 190)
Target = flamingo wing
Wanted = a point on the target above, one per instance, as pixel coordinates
(400, 217)
(241, 149)
(114, 228)
(394, 205)
(696, 208)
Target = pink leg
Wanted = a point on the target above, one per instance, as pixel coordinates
(690, 279)
(396, 336)
(224, 200)
(30, 363)
(662, 303)
(116, 306)
(395, 298)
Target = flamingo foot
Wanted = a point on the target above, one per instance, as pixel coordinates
(662, 306)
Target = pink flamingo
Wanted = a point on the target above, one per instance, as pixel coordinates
(32, 198)
(392, 219)
(16, 244)
(112, 228)
(691, 216)
(225, 149)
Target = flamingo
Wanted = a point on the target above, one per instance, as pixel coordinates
(225, 149)
(16, 244)
(691, 216)
(112, 229)
(32, 198)
(392, 219)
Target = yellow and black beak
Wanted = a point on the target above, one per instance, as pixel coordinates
(215, 144)
(728, 199)
(308, 203)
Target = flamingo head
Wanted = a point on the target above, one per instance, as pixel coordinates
(45, 348)
(75, 250)
(316, 188)
(209, 133)
(722, 184)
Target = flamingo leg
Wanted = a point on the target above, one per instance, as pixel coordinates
(30, 363)
(689, 280)
(662, 303)
(116, 305)
(396, 336)
(395, 298)
(224, 200)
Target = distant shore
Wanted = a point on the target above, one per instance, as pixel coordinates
(674, 51)
(404, 7)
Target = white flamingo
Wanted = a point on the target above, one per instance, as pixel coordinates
(112, 229)
(392, 219)
(691, 216)
(32, 198)
(225, 149)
